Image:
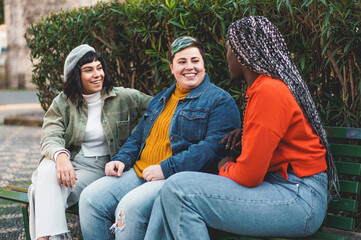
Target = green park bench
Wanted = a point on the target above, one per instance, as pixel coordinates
(20, 194)
(341, 214)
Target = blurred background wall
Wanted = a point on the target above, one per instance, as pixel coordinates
(17, 16)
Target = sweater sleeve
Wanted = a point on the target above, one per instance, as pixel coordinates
(267, 117)
(252, 165)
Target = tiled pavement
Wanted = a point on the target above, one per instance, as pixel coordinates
(19, 153)
(19, 156)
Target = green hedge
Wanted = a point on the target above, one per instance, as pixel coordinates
(134, 38)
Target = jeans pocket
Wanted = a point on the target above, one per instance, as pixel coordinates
(318, 214)
(316, 205)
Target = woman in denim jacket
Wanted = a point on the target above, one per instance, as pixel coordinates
(85, 125)
(180, 131)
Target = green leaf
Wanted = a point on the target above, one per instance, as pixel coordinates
(176, 24)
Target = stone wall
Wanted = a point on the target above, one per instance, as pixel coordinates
(19, 15)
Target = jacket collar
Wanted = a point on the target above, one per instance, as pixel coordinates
(195, 93)
(105, 95)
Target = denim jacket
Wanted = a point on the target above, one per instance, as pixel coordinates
(64, 123)
(198, 124)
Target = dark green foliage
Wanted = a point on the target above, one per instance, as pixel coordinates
(2, 15)
(134, 38)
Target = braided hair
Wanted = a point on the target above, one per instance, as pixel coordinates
(260, 47)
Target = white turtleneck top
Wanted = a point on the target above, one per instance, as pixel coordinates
(94, 141)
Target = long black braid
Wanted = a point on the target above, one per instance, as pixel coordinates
(260, 47)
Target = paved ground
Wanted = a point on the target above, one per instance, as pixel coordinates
(19, 156)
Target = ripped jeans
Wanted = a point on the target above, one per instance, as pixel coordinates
(128, 195)
(133, 211)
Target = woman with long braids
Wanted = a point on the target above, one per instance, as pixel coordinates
(280, 184)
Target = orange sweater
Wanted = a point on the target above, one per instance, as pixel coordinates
(276, 134)
(157, 146)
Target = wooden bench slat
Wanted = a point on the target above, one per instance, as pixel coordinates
(343, 204)
(342, 132)
(17, 188)
(19, 194)
(14, 196)
(345, 150)
(348, 168)
(316, 236)
(330, 236)
(350, 186)
(336, 221)
(235, 237)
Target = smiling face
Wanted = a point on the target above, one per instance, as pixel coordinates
(92, 77)
(235, 68)
(188, 68)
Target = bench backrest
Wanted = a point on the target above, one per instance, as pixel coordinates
(346, 149)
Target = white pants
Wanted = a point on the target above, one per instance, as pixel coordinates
(49, 200)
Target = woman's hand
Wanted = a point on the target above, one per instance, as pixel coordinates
(114, 168)
(233, 139)
(224, 161)
(153, 173)
(65, 171)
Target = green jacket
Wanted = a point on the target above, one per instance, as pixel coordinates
(64, 124)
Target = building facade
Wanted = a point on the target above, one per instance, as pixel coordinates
(19, 15)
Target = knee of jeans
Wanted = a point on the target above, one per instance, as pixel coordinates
(90, 202)
(131, 210)
(119, 224)
(170, 187)
(47, 170)
(83, 201)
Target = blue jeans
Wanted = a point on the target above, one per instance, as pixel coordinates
(99, 200)
(133, 211)
(189, 202)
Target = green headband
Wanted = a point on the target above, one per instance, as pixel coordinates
(182, 43)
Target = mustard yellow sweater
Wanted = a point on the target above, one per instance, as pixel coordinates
(157, 146)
